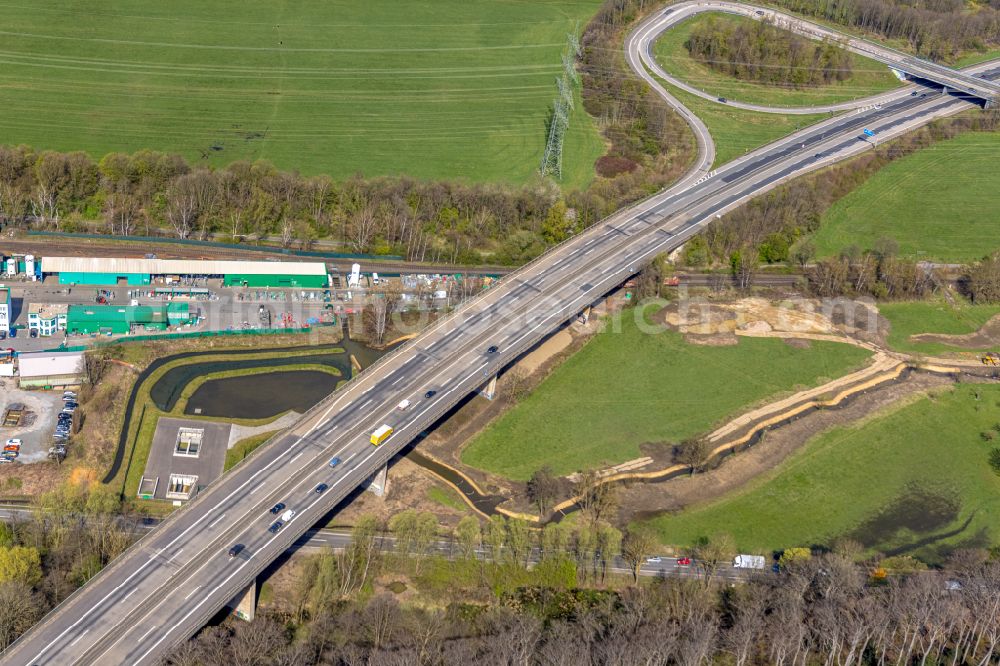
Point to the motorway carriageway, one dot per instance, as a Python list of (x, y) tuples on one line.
[(170, 583)]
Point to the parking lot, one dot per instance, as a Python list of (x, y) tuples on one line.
[(38, 421)]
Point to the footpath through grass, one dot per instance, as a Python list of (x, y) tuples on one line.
[(938, 316), (868, 77), (940, 203), (912, 481), (627, 388), (443, 89)]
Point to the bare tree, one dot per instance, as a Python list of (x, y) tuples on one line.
[(542, 488), (637, 545)]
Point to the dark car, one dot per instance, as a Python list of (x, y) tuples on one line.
[(321, 487), (723, 100), (914, 93), (13, 333), (277, 508), (34, 333), (273, 529), (492, 349), (236, 550), (430, 394)]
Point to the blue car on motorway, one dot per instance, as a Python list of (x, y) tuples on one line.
[(334, 462), (273, 529), (321, 487)]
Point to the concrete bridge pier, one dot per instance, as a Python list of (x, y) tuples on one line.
[(378, 483), (244, 604), (585, 315), (489, 390)]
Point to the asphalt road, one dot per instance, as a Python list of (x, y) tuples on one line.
[(172, 581), (671, 16)]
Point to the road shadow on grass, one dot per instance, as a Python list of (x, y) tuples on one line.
[(922, 519)]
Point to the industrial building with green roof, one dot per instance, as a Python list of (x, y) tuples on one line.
[(121, 319), (139, 272)]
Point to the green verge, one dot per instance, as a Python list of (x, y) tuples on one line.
[(446, 497), (938, 316), (952, 219), (245, 447), (737, 132), (629, 387), (913, 480), (445, 89), (868, 77)]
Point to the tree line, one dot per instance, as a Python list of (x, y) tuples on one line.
[(760, 52), (821, 608), (776, 228), (151, 192), (73, 533), (935, 29)]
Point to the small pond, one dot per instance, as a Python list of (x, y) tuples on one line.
[(270, 393), (263, 395)]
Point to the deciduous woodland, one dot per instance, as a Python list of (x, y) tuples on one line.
[(936, 29), (821, 610), (763, 53)]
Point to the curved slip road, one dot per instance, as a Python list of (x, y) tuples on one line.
[(171, 582), (643, 37)]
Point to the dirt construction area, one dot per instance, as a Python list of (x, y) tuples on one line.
[(36, 421)]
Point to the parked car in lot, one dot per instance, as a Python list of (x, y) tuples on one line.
[(277, 508), (273, 529), (13, 441)]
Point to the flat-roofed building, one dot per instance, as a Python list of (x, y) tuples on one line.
[(138, 272), (50, 369), (4, 310), (47, 318), (122, 319)]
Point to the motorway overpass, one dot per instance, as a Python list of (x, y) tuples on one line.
[(171, 582), (950, 79)]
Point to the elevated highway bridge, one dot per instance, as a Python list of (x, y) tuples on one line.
[(172, 581)]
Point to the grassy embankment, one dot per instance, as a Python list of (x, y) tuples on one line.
[(867, 78), (937, 316), (948, 219), (245, 447), (624, 389), (912, 480), (448, 89)]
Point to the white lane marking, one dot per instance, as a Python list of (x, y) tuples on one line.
[(374, 450), (296, 457), (256, 488), (188, 595), (216, 521), (85, 614), (151, 629), (77, 639)]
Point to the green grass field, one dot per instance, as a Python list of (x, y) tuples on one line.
[(868, 77), (736, 132), (951, 219), (624, 389), (912, 481), (442, 89), (913, 318)]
